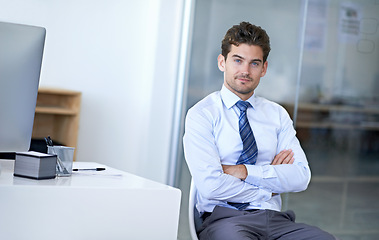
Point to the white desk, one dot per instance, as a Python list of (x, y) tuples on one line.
[(109, 204)]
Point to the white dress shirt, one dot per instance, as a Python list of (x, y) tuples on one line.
[(212, 138)]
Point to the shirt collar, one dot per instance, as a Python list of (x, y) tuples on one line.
[(230, 99)]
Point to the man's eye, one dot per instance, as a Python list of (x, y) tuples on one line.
[(237, 60)]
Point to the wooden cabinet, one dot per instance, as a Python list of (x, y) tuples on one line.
[(57, 115)]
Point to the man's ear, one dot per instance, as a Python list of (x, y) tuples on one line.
[(221, 62), (264, 69)]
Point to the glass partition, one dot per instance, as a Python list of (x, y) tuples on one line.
[(338, 118)]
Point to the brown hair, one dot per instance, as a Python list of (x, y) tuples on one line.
[(246, 33)]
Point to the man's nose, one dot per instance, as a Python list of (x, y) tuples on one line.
[(245, 69)]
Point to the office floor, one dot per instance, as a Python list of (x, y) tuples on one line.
[(342, 197)]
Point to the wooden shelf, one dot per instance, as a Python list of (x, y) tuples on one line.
[(57, 115), (55, 110)]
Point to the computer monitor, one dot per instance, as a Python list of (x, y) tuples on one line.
[(21, 51)]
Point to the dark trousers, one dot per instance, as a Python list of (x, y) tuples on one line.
[(227, 223)]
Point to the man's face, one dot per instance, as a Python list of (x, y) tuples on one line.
[(243, 69)]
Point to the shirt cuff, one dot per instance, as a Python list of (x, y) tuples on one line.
[(256, 173)]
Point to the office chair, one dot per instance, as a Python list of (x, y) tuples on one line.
[(194, 218)]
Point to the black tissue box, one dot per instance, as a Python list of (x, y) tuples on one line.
[(35, 165)]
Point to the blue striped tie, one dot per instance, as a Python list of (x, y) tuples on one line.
[(249, 152)]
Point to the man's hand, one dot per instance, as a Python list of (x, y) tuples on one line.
[(284, 157), (238, 171)]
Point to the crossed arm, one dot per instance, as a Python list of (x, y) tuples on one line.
[(240, 171)]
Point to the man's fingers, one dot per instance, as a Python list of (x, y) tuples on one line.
[(280, 157), (284, 157), (277, 158), (288, 158)]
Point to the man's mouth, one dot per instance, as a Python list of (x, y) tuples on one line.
[(244, 78)]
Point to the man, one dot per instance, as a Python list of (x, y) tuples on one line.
[(242, 150)]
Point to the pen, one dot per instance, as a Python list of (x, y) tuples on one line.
[(89, 169)]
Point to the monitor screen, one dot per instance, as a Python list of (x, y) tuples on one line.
[(21, 51)]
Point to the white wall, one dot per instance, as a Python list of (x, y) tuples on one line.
[(122, 55)]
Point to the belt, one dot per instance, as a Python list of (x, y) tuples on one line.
[(207, 214)]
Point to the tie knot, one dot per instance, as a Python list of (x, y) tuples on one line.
[(242, 105)]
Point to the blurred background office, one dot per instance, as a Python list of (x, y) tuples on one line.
[(141, 64), (324, 68)]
